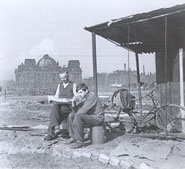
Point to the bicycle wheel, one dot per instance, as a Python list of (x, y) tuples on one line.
[(168, 118), (123, 121), (129, 121)]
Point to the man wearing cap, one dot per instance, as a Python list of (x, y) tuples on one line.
[(59, 112)]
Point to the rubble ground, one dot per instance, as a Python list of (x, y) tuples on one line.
[(26, 149)]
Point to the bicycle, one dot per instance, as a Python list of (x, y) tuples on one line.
[(165, 117)]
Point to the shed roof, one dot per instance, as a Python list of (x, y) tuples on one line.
[(145, 32)]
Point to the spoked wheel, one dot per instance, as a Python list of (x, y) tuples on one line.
[(129, 122), (168, 118), (123, 121)]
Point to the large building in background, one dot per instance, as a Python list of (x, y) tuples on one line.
[(43, 77)]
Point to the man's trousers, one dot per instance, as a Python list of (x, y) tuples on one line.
[(59, 112), (77, 123)]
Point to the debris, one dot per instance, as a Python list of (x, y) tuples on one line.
[(125, 164), (37, 134), (39, 146), (87, 155), (16, 127), (104, 158), (52, 142), (114, 161), (174, 136), (144, 166), (40, 127), (41, 118), (22, 127), (171, 151)]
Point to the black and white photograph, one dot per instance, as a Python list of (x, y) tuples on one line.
[(92, 84)]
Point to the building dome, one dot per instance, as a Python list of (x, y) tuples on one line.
[(46, 61)]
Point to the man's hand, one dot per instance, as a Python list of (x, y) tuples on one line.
[(76, 101), (76, 98)]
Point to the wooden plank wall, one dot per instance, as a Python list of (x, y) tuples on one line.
[(172, 84)]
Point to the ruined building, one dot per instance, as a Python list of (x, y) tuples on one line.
[(43, 77)]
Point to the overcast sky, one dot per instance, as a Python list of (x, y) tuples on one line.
[(32, 28)]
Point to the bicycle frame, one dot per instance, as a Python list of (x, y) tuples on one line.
[(157, 109), (139, 121), (154, 109)]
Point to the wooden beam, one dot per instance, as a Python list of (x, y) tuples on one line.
[(97, 131), (181, 88), (138, 83), (166, 67), (95, 79)]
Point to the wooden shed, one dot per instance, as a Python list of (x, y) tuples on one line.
[(161, 32)]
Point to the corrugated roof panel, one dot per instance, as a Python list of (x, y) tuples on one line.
[(146, 28)]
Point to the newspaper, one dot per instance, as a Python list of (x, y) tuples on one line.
[(58, 100)]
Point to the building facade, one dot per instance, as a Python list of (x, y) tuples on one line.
[(109, 82), (43, 77)]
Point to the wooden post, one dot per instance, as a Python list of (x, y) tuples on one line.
[(166, 61), (166, 68), (94, 64), (98, 132), (138, 83), (181, 88)]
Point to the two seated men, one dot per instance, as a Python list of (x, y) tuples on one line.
[(86, 110)]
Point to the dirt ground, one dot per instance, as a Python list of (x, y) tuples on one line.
[(26, 149)]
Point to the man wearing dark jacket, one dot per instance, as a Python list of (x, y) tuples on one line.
[(59, 112), (89, 112)]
